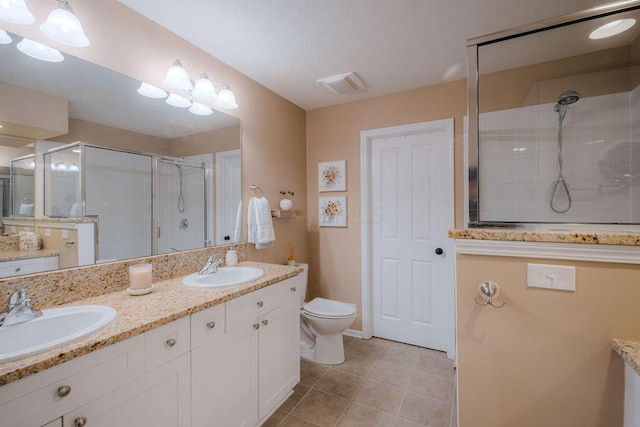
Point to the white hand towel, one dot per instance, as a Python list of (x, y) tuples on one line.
[(260, 225)]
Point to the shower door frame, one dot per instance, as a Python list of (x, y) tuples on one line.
[(155, 216)]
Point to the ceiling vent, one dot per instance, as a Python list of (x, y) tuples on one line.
[(342, 84)]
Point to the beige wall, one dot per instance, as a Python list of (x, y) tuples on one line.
[(106, 136), (333, 133), (224, 139), (273, 129), (545, 358)]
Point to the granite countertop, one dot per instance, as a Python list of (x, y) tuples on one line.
[(586, 237), (66, 219), (169, 301), (629, 351), (16, 255)]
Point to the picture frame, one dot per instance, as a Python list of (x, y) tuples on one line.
[(332, 211), (332, 176)]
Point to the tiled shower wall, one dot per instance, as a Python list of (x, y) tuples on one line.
[(518, 161)]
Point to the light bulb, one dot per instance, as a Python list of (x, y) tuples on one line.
[(177, 77), (63, 26), (16, 12), (39, 51)]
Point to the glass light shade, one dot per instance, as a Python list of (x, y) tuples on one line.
[(32, 165), (612, 28), (16, 12), (200, 110), (203, 89), (64, 27), (177, 77), (226, 99), (178, 101), (5, 38), (74, 168), (150, 91), (61, 166), (39, 51)]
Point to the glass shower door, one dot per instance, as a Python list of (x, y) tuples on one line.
[(181, 205)]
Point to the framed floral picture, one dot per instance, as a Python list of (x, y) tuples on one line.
[(332, 176), (332, 211)]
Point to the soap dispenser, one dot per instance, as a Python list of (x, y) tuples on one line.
[(231, 259)]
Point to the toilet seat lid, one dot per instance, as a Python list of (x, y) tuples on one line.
[(329, 308)]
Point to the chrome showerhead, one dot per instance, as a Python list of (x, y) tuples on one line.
[(568, 97)]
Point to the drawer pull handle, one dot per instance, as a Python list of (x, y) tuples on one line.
[(18, 268), (260, 303), (265, 322), (80, 422), (211, 325), (293, 289), (171, 342), (64, 390), (256, 325)]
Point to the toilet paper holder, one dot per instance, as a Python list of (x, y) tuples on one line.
[(488, 292)]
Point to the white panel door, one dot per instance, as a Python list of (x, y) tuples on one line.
[(228, 196), (411, 257)]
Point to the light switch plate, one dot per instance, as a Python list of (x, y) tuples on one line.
[(558, 277), (47, 232), (65, 234)]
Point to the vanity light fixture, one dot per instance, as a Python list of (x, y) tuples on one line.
[(200, 109), (16, 12), (177, 77), (226, 99), (5, 38), (63, 26), (612, 28), (74, 168), (39, 51), (178, 101), (150, 91), (203, 89)]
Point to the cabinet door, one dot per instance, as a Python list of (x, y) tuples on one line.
[(160, 398), (224, 380), (279, 355)]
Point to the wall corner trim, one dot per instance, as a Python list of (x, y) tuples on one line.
[(568, 251)]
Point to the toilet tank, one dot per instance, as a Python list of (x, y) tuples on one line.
[(303, 281)]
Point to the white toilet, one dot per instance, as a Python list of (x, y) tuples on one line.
[(322, 322)]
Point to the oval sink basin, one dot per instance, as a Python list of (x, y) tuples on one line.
[(225, 276), (56, 327)]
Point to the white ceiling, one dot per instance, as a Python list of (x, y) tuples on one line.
[(394, 45)]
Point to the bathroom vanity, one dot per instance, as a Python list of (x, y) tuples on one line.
[(175, 357)]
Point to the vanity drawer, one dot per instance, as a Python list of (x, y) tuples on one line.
[(247, 308), (41, 397), (207, 325), (167, 342)]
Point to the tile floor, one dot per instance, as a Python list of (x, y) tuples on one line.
[(381, 383)]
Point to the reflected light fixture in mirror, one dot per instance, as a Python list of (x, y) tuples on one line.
[(200, 109), (63, 26), (612, 28), (151, 91), (226, 99), (178, 101), (177, 77), (39, 51), (16, 12), (5, 38)]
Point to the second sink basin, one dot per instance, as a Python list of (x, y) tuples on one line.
[(56, 326), (225, 276)]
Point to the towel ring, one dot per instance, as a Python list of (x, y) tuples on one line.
[(254, 188)]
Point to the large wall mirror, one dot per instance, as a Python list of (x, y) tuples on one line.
[(98, 172), (554, 121)]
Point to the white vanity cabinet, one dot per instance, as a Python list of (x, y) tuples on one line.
[(28, 266), (242, 376), (631, 397)]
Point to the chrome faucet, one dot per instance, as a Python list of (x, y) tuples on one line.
[(211, 266), (19, 309)]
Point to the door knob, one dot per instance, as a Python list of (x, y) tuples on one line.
[(227, 237), (439, 251)]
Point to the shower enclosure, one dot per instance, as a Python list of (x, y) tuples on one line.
[(554, 124), (144, 204)]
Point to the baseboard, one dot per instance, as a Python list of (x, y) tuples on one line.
[(353, 333)]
